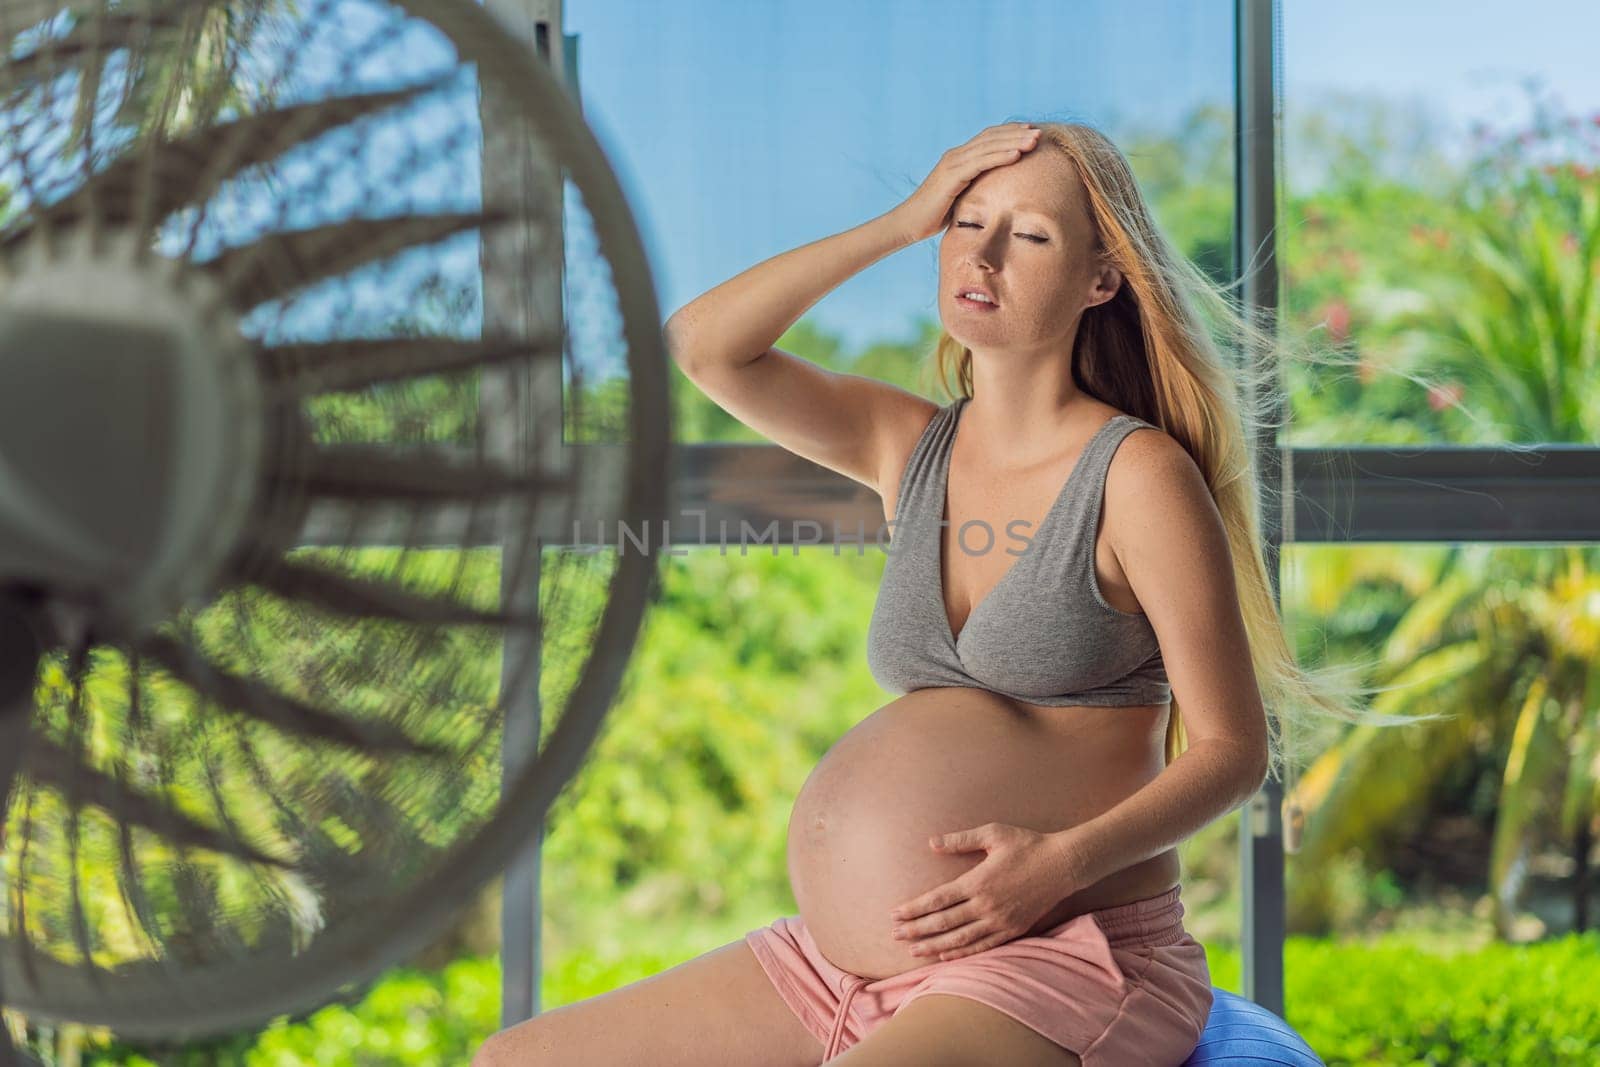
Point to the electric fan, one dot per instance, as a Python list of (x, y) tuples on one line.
[(295, 395)]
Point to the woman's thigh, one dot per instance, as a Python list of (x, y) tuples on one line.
[(719, 1008), (940, 1030)]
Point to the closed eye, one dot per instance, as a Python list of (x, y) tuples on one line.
[(1029, 236)]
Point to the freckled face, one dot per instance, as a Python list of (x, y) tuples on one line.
[(1021, 231)]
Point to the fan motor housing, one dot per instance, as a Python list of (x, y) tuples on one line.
[(126, 372)]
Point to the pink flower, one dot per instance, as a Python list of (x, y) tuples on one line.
[(1569, 243), (1443, 396), (1337, 315)]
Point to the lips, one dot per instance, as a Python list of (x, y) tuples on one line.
[(976, 289)]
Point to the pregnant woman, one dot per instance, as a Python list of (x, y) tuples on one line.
[(986, 867)]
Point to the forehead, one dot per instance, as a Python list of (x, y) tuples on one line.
[(1045, 192), (971, 199)]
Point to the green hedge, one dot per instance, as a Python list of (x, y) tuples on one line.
[(1500, 1004), (1354, 1003)]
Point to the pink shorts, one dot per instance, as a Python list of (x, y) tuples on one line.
[(1121, 985)]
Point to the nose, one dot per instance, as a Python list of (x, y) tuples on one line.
[(983, 250)]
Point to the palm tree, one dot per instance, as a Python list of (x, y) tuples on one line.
[(1509, 651)]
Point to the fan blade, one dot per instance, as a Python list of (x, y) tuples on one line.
[(187, 167), (334, 366), (385, 472), (365, 598), (280, 263), (47, 763), (245, 696), (103, 31)]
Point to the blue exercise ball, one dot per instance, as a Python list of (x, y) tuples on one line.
[(1240, 1031)]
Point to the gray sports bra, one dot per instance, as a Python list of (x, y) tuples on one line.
[(1043, 634)]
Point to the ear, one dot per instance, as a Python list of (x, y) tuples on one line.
[(1107, 282)]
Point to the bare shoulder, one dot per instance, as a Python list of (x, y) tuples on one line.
[(1152, 473), (1150, 459)]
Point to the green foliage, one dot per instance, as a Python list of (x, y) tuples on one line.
[(1396, 1004)]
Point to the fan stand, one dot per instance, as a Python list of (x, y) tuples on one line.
[(20, 648)]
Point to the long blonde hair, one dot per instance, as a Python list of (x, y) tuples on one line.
[(1156, 350)]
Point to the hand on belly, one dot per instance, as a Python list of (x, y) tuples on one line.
[(932, 762), (847, 877)]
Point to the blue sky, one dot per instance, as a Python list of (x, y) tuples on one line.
[(742, 129), (1464, 58)]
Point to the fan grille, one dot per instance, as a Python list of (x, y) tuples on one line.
[(294, 776)]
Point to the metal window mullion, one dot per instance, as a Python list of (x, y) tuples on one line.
[(517, 296), (1261, 865)]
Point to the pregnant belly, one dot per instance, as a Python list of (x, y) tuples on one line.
[(937, 760)]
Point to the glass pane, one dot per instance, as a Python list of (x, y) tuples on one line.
[(1456, 835), (1440, 220), (742, 131)]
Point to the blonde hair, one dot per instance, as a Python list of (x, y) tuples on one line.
[(1156, 350)]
